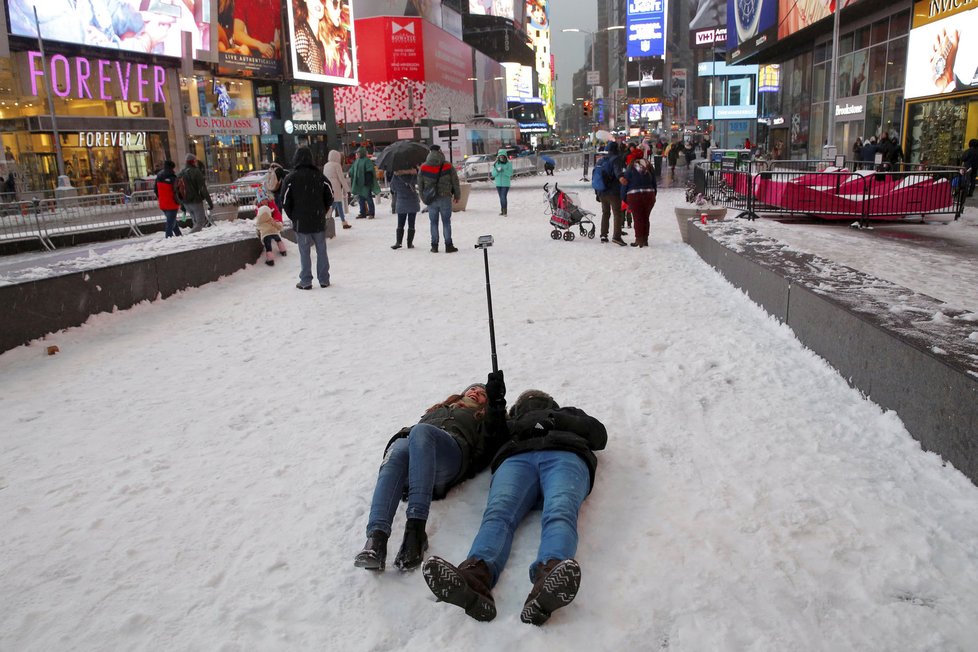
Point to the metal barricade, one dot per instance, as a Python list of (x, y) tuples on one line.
[(812, 188)]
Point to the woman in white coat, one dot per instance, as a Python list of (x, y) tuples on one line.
[(333, 171)]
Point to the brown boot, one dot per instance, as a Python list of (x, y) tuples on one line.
[(555, 586), (466, 586)]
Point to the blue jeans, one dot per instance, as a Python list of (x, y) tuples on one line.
[(502, 191), (306, 242), (428, 458), (366, 204), (557, 481), (338, 207), (172, 228), (443, 207), (406, 217)]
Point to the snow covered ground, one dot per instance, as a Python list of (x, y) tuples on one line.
[(195, 473)]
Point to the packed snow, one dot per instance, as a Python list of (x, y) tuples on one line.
[(195, 473)]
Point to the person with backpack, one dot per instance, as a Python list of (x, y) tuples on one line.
[(306, 197), (438, 186), (191, 190), (333, 171), (638, 191), (548, 463), (272, 183), (610, 171), (502, 174), (364, 183), (166, 197)]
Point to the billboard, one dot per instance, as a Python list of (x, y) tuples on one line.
[(750, 24), (796, 15), (519, 82), (644, 77), (323, 41), (249, 37), (148, 26), (940, 57), (651, 112), (645, 24), (502, 8)]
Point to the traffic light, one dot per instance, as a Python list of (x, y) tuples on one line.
[(360, 132), (587, 108)]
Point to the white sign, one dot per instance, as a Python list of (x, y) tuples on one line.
[(125, 139), (593, 77), (851, 109), (205, 126), (405, 134), (446, 112)]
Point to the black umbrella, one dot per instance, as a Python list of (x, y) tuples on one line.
[(402, 155)]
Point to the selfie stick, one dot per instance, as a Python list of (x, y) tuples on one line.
[(485, 241)]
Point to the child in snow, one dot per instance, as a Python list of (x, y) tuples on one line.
[(268, 231)]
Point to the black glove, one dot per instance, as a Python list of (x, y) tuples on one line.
[(210, 205), (544, 426), (496, 387)]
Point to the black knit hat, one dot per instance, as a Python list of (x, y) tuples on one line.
[(482, 385), (532, 399)]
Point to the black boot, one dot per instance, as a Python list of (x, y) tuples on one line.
[(556, 586), (400, 236), (410, 238), (434, 247), (450, 248), (413, 547), (374, 554), (466, 586)]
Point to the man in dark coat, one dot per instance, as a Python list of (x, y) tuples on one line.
[(611, 168), (549, 460), (868, 152), (196, 193), (970, 160), (306, 196)]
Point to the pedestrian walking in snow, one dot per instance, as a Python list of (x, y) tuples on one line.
[(193, 192), (306, 196), (364, 183), (548, 462), (453, 441), (404, 188), (333, 171), (502, 175), (438, 186), (639, 190), (165, 197)]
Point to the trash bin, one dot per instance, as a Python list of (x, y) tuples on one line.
[(463, 200)]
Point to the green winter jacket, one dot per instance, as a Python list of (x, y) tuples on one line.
[(502, 171), (358, 175), (196, 185)]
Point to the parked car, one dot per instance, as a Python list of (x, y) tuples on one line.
[(245, 188), (477, 166)]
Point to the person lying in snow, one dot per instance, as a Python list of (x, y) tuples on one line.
[(548, 462), (453, 441)]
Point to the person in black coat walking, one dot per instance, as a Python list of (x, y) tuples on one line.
[(453, 441), (549, 460), (306, 196), (970, 160)]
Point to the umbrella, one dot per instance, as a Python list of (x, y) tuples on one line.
[(402, 155), (606, 136)]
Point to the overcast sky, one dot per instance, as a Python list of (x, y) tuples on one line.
[(570, 49)]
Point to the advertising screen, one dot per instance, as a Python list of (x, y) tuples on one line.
[(799, 14), (645, 76), (651, 112), (501, 8), (941, 58), (149, 26), (645, 24), (250, 37), (750, 24), (519, 82), (324, 42), (707, 14)]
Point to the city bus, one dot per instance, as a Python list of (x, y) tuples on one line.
[(477, 136)]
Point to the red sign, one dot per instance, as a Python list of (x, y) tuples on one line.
[(449, 60), (392, 49)]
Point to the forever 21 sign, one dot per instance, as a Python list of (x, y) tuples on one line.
[(127, 139)]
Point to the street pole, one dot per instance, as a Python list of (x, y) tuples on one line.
[(451, 158), (830, 136), (49, 91)]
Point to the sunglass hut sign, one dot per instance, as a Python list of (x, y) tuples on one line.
[(99, 79)]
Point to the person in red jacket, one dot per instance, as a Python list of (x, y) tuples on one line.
[(163, 188)]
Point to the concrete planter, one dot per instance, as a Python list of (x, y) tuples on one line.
[(686, 213)]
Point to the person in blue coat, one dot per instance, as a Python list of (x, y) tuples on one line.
[(502, 174), (548, 165), (404, 187)]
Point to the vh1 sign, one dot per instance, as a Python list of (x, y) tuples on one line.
[(93, 79), (707, 38)]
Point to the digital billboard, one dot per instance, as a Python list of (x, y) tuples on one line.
[(324, 42), (799, 15), (519, 82), (940, 57), (651, 112), (250, 37), (644, 77), (502, 8), (645, 22), (148, 26), (750, 24)]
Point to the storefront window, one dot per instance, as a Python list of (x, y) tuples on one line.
[(877, 68), (820, 89), (900, 24), (893, 112), (845, 44), (879, 31), (896, 63), (860, 38), (845, 77), (937, 131), (874, 114)]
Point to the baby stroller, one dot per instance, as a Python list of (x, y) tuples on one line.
[(565, 213)]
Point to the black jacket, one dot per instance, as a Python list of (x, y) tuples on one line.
[(479, 439), (306, 195), (557, 429)]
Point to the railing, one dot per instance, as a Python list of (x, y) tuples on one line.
[(44, 218), (813, 188)]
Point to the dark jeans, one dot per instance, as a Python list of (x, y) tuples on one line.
[(406, 217), (503, 192), (611, 203), (269, 239), (172, 228), (366, 205)]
